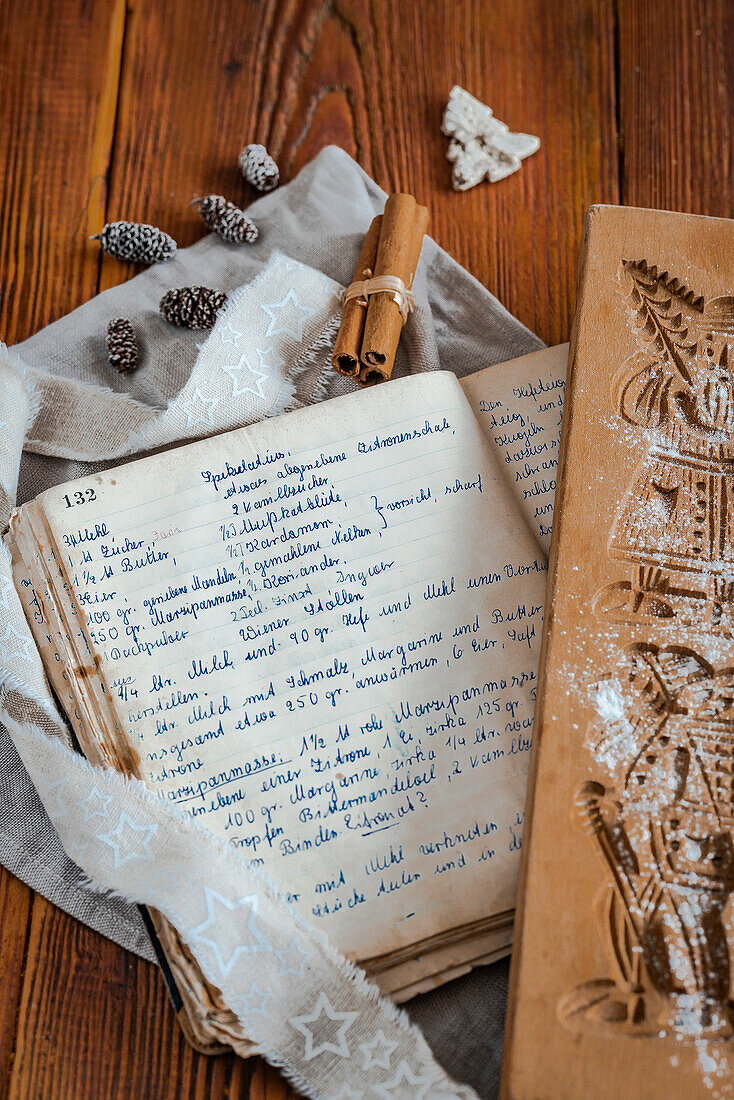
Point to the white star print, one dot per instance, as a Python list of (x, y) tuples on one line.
[(290, 265), (254, 1000), (95, 804), (404, 1076), (345, 1093), (199, 409), (287, 317), (229, 335), (227, 953), (25, 646), (51, 797), (269, 359), (329, 289), (136, 441), (293, 959), (321, 1046), (125, 847), (378, 1052), (257, 377)]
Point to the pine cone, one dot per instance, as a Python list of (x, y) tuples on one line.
[(226, 219), (192, 306), (259, 168), (122, 347), (136, 243)]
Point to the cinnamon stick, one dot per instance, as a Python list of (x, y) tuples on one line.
[(345, 357), (404, 224)]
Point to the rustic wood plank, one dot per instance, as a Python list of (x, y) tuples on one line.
[(188, 103), (58, 87), (96, 1021), (15, 909), (531, 222), (408, 64), (372, 76), (676, 105)]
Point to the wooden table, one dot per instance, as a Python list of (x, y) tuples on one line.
[(112, 110)]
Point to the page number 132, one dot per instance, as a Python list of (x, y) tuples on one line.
[(80, 497)]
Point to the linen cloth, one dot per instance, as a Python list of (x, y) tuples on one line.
[(319, 219), (331, 1031)]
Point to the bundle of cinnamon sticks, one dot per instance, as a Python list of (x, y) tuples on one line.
[(376, 305)]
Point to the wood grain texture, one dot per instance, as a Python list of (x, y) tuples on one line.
[(677, 114), (113, 110), (628, 585), (58, 87), (15, 916)]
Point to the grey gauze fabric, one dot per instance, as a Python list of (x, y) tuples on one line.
[(320, 219)]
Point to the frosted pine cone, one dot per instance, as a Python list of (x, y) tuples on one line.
[(259, 168), (122, 347), (192, 306), (226, 219), (136, 243)]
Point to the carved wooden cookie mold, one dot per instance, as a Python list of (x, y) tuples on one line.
[(674, 530), (663, 830), (662, 818)]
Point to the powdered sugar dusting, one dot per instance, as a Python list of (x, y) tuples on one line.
[(648, 670)]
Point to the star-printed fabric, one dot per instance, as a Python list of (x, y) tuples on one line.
[(304, 1006), (59, 400)]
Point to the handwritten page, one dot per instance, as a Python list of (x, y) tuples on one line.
[(520, 407), (322, 633)]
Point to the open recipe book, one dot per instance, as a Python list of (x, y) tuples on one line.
[(319, 635)]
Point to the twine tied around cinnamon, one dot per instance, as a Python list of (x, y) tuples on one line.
[(379, 298), (393, 285)]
